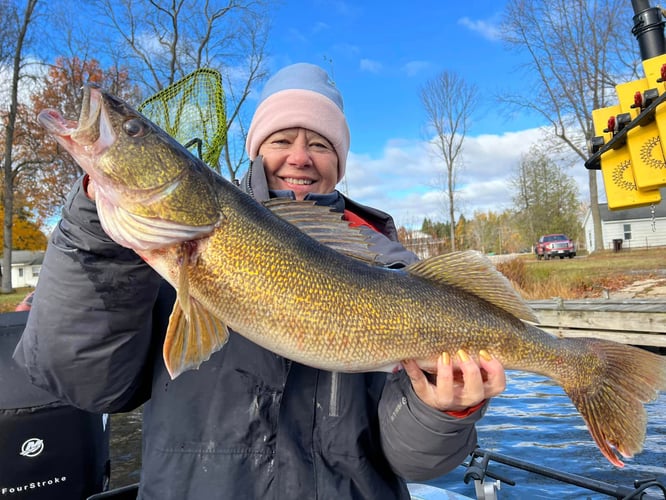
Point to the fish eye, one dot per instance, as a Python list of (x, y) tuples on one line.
[(135, 127)]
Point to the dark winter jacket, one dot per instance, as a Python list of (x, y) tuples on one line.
[(248, 423)]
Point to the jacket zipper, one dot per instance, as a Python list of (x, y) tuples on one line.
[(334, 395)]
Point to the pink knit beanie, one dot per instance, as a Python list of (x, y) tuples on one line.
[(301, 96)]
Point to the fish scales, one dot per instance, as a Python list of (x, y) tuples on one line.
[(237, 265), (346, 302)]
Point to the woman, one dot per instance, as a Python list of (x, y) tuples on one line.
[(248, 423)]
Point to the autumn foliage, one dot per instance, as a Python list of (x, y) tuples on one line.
[(52, 171), (26, 234)]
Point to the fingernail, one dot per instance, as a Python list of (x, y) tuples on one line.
[(446, 358), (485, 355), (463, 356)]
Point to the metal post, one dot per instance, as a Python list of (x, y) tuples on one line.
[(648, 29)]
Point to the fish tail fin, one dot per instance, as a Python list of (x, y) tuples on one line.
[(611, 399)]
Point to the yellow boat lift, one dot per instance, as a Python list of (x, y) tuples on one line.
[(627, 146)]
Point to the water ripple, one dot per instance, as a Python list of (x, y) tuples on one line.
[(535, 421)]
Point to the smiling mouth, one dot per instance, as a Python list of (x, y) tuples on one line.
[(300, 182)]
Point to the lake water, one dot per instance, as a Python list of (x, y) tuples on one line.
[(533, 421)]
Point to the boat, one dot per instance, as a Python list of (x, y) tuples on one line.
[(52, 450), (47, 449), (488, 483)]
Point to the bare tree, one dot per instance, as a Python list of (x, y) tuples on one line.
[(449, 102), (161, 42), (576, 49), (8, 27), (17, 30)]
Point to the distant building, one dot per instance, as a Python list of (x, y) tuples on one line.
[(422, 244), (26, 266), (635, 227)]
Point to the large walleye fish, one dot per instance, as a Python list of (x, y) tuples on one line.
[(240, 265)]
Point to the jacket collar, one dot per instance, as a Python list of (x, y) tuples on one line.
[(254, 183)]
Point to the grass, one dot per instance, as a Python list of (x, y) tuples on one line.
[(8, 301), (583, 276)]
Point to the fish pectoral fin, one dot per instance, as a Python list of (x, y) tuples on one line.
[(191, 338), (473, 272), (324, 225)]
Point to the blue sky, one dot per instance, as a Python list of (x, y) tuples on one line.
[(380, 54)]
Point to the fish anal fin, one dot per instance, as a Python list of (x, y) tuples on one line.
[(473, 272), (191, 338)]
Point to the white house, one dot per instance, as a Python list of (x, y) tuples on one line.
[(26, 266), (635, 227), (421, 244)]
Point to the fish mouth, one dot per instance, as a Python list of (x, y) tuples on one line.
[(86, 130), (85, 139), (131, 213), (55, 124)]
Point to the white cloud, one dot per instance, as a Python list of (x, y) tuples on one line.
[(319, 27), (401, 180), (27, 86), (370, 65), (5, 84), (414, 68), (486, 29)]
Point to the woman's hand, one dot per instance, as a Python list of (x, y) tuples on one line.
[(459, 383)]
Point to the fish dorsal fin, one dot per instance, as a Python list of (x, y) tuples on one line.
[(325, 226), (193, 333), (473, 272)]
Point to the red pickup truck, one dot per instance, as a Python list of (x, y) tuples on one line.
[(555, 245)]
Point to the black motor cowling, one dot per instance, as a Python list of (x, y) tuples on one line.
[(47, 449)]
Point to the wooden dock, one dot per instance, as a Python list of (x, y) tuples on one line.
[(639, 322)]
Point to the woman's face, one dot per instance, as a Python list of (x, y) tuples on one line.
[(301, 161)]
